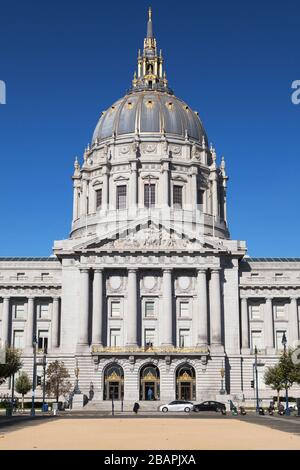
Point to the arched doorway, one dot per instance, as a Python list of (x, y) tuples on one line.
[(149, 383), (113, 382), (185, 383)]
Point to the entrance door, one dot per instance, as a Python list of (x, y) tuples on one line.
[(149, 391), (114, 390), (185, 391)]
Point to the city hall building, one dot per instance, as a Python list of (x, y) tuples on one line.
[(149, 295)]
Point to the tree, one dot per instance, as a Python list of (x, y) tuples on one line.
[(23, 385), (56, 379), (274, 378), (13, 364)]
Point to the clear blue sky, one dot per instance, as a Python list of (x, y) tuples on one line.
[(65, 61)]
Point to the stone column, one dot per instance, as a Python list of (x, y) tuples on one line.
[(133, 186), (215, 309), (166, 190), (30, 323), (194, 195), (132, 308), (5, 321), (245, 325), (269, 337), (215, 197), (83, 324), (166, 314), (75, 202), (202, 305), (97, 306), (293, 333), (55, 323), (105, 198), (83, 198)]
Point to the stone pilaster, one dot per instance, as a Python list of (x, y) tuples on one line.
[(293, 328), (215, 310), (5, 321), (166, 314), (132, 308), (84, 308), (30, 324), (97, 307), (268, 326), (55, 323), (245, 325), (202, 305)]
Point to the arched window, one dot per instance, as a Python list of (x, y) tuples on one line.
[(185, 382), (149, 382)]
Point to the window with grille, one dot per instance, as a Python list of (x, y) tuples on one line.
[(149, 195), (257, 339), (19, 310), (115, 309), (255, 312), (115, 337), (98, 198), (121, 197), (149, 309), (18, 340), (177, 197), (43, 310), (184, 309), (149, 336), (184, 338), (279, 311), (43, 339)]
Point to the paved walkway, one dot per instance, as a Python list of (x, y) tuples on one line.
[(151, 433)]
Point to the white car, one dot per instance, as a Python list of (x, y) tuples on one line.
[(177, 405)]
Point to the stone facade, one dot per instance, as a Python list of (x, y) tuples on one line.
[(149, 293)]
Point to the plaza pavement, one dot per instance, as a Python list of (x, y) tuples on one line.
[(151, 432)]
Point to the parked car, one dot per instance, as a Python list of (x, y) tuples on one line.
[(210, 406), (177, 405)]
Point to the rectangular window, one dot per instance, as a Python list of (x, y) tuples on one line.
[(149, 195), (177, 197), (98, 199), (279, 335), (43, 339), (20, 276), (200, 197), (19, 309), (279, 311), (121, 197), (115, 338), (257, 340), (18, 339), (149, 309), (184, 338), (43, 310), (45, 276), (115, 309), (255, 312), (184, 309), (149, 337)]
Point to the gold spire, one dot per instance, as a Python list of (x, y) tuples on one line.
[(150, 14)]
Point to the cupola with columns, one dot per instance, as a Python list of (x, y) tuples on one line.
[(149, 151)]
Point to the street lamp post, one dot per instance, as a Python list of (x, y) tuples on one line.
[(256, 380), (44, 377), (76, 371), (222, 372), (287, 410), (34, 343)]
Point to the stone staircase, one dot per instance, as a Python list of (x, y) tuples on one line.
[(97, 405)]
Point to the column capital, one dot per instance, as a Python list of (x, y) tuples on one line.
[(84, 270), (132, 270), (268, 299), (6, 297), (30, 298), (293, 299), (215, 270), (167, 270), (98, 270), (201, 270), (55, 299)]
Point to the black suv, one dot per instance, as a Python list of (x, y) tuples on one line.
[(210, 406)]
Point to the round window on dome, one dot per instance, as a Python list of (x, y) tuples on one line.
[(129, 105), (170, 105), (149, 104)]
